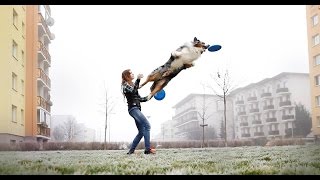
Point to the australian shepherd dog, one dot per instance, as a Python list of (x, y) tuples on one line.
[(180, 59)]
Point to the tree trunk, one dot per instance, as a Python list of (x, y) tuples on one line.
[(225, 120)]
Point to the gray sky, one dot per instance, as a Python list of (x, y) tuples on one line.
[(94, 44)]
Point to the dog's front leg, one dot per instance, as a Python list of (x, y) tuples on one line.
[(167, 73), (176, 54)]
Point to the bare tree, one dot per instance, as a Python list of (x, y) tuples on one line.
[(109, 107), (203, 115), (71, 129), (222, 90), (59, 133)]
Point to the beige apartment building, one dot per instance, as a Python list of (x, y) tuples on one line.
[(24, 66), (313, 32)]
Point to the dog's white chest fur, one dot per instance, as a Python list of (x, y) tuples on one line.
[(187, 55)]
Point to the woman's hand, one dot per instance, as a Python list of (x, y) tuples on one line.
[(140, 76)]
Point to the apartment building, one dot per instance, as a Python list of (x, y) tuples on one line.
[(25, 93), (12, 73), (267, 108), (201, 110), (313, 33)]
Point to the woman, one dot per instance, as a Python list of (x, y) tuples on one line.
[(130, 91)]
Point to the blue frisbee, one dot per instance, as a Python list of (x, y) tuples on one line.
[(214, 48), (160, 95)]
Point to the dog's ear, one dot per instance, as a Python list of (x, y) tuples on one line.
[(195, 39)]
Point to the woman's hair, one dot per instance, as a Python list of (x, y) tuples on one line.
[(126, 77)]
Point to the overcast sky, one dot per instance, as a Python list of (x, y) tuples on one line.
[(94, 44)]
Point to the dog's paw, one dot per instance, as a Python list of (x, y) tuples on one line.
[(188, 65)]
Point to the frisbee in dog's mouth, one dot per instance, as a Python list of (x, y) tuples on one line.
[(214, 48)]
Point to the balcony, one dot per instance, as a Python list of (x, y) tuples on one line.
[(43, 130), (271, 120), (252, 99), (41, 102), (44, 53), (282, 90), (268, 107), (258, 133), (48, 9), (253, 110), (241, 113), (44, 29), (44, 77), (263, 95), (276, 132), (285, 103), (244, 124), (256, 122), (184, 111), (239, 102), (194, 123), (287, 117), (245, 135)]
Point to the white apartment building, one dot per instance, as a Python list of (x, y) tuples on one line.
[(196, 110), (267, 108)]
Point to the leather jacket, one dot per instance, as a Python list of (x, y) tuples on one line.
[(132, 94)]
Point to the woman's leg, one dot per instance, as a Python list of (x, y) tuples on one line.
[(143, 126)]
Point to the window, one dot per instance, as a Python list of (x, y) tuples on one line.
[(14, 49), (14, 113), (22, 117), (273, 127), (318, 121), (316, 40), (316, 80), (317, 59), (14, 81), (15, 18), (22, 58), (314, 20), (23, 29), (317, 100), (22, 87)]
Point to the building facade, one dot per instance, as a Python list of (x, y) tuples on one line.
[(25, 63), (198, 112), (267, 108), (313, 33), (12, 73)]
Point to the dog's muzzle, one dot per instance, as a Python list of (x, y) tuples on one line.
[(205, 48)]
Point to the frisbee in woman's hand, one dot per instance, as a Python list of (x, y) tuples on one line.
[(160, 95), (214, 48)]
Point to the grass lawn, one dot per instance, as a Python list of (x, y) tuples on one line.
[(303, 159)]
